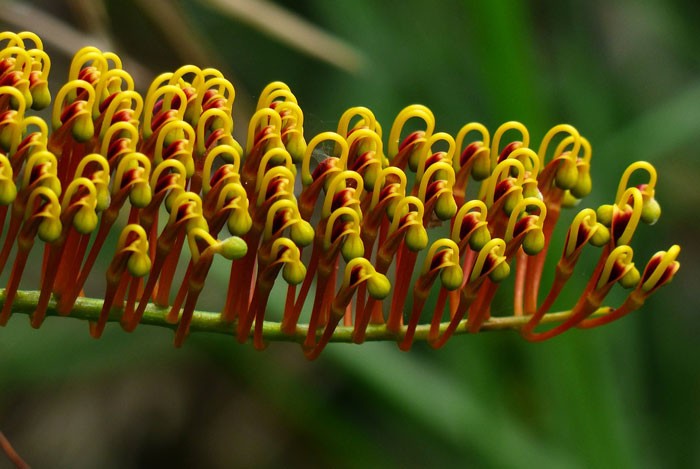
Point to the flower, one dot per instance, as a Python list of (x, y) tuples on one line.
[(371, 230)]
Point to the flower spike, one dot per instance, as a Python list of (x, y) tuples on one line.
[(171, 154)]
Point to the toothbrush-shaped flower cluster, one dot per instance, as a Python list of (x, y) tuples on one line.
[(362, 237)]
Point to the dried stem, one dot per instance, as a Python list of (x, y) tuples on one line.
[(11, 453)]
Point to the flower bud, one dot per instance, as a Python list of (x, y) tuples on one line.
[(583, 185), (173, 135), (352, 247), (197, 222), (531, 190), (601, 236), (604, 214), (651, 211), (236, 146), (103, 199), (302, 233), (7, 136), (569, 201), (500, 272), (479, 238), (139, 264), (140, 195), (391, 207), (49, 230), (83, 128), (566, 175), (481, 169), (631, 278), (445, 207), (533, 242), (294, 272), (295, 145), (511, 200), (41, 96), (15, 103), (28, 99), (378, 286), (233, 248), (188, 162), (451, 277), (416, 238), (370, 176), (239, 223), (85, 220), (413, 160), (8, 191)]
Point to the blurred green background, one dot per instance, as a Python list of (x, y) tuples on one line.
[(625, 73)]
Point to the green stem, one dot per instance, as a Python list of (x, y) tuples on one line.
[(202, 321)]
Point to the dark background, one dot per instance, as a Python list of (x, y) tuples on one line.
[(625, 73)]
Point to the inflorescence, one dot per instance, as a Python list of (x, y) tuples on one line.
[(374, 228)]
